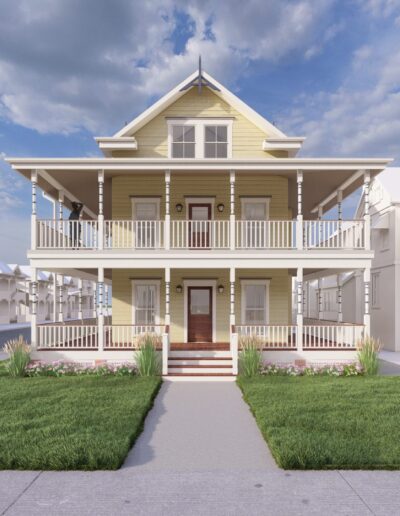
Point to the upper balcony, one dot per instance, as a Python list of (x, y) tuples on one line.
[(207, 235)]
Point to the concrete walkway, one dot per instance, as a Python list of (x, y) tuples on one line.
[(191, 418), (200, 454)]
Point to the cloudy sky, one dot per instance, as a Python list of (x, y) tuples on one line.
[(72, 69)]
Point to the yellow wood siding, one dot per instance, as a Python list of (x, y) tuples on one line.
[(279, 301), (153, 137), (207, 185)]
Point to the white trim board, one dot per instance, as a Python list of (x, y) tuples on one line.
[(200, 283)]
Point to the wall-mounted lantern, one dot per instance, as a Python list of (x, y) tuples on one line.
[(179, 289), (179, 207), (220, 207), (220, 289)]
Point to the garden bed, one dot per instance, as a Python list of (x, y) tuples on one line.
[(328, 423), (86, 422)]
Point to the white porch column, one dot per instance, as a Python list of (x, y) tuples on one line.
[(299, 316), (367, 216), (232, 217), (34, 177), (106, 300), (100, 315), (340, 216), (80, 288), (339, 298), (33, 303), (167, 221), (100, 218), (299, 225), (367, 315), (167, 298), (61, 205), (55, 280), (94, 300), (232, 317), (320, 307), (60, 298)]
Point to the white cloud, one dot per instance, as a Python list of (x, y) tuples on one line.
[(380, 8), (14, 237), (69, 65), (362, 116)]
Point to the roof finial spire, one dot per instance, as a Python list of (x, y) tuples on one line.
[(199, 81)]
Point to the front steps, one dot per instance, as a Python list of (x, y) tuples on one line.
[(200, 364)]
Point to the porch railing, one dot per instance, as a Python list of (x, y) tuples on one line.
[(334, 234), (271, 335), (200, 234), (125, 336), (314, 337), (74, 336), (332, 336), (67, 234), (265, 234)]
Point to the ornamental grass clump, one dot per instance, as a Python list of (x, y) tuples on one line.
[(250, 359), (368, 349), (19, 356), (148, 361)]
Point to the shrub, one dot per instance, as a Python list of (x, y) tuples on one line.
[(18, 351), (250, 359), (368, 349), (148, 361)]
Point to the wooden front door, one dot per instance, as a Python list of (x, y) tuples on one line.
[(199, 225), (199, 314)]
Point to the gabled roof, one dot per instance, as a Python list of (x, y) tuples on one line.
[(5, 269), (181, 89), (390, 180)]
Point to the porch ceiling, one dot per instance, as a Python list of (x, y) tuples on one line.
[(79, 177)]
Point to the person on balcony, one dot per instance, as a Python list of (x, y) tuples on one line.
[(74, 225)]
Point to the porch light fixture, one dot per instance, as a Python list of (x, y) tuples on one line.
[(220, 289), (220, 207), (179, 289), (178, 207)]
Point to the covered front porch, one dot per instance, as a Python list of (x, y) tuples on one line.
[(197, 314)]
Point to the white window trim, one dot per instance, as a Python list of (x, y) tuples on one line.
[(254, 200), (157, 283), (200, 200), (199, 283), (243, 284), (143, 200), (199, 134)]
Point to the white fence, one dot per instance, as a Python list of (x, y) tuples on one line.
[(200, 234), (67, 234), (334, 234), (265, 234), (60, 336), (134, 234), (126, 336)]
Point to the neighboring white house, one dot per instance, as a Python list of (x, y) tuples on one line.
[(68, 299), (322, 296)]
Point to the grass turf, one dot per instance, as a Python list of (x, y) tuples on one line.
[(71, 423), (328, 423)]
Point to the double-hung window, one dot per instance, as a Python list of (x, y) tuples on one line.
[(183, 141), (146, 302), (254, 302), (216, 141)]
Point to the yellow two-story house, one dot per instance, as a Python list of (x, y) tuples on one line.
[(199, 215)]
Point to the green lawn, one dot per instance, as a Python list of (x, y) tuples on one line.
[(72, 422), (328, 423)]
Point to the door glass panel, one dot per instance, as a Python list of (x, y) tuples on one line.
[(145, 304), (200, 302), (199, 212), (255, 304)]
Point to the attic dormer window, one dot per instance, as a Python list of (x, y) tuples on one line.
[(183, 141)]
